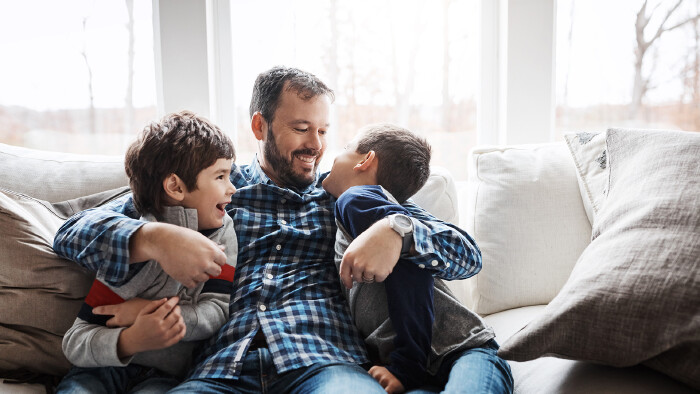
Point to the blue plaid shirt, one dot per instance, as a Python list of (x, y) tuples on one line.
[(286, 283)]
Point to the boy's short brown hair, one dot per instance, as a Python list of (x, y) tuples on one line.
[(404, 158), (181, 143)]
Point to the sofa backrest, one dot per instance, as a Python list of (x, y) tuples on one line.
[(56, 176), (525, 211)]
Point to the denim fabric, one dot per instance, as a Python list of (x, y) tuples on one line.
[(130, 379), (258, 375), (477, 370)]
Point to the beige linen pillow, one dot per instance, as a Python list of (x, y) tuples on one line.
[(40, 293), (634, 294)]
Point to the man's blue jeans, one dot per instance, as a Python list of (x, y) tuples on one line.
[(259, 376), (130, 379), (478, 370)]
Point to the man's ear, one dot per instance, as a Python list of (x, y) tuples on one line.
[(257, 124), (174, 187), (367, 162)]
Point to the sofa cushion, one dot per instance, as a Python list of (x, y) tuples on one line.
[(57, 176), (588, 151), (40, 293), (634, 295), (439, 195), (524, 209), (556, 375)]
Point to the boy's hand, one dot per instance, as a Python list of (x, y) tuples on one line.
[(186, 255), (157, 326), (124, 313), (372, 255), (386, 379)]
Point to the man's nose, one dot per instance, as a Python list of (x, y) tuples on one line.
[(314, 140)]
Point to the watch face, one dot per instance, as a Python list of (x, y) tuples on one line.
[(403, 221), (402, 224)]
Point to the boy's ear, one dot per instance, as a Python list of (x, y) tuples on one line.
[(256, 124), (369, 161), (174, 187)]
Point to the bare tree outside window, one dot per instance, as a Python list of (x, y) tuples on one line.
[(627, 64), (645, 44), (410, 62), (76, 76)]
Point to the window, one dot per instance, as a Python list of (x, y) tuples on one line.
[(413, 63), (606, 77), (76, 76)]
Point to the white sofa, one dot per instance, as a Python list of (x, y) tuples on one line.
[(522, 205)]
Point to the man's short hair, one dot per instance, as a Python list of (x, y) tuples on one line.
[(267, 89), (180, 143), (404, 158)]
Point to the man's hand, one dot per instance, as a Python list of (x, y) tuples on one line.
[(372, 255), (157, 326), (387, 379), (124, 313), (186, 255)]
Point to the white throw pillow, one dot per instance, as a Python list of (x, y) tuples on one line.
[(525, 212), (590, 156), (439, 195)]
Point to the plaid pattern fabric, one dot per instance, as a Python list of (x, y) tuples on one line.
[(286, 283)]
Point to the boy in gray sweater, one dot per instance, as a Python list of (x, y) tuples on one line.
[(178, 172), (416, 331)]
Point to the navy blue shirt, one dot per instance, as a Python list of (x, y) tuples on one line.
[(409, 289)]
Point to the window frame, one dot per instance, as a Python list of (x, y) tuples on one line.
[(517, 55)]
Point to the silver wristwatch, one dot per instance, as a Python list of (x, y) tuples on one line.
[(403, 226)]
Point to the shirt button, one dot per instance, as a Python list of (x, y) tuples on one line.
[(434, 263), (447, 265), (278, 247), (262, 307), (283, 221), (421, 265), (283, 200), (269, 276)]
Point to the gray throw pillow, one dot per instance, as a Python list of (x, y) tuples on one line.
[(634, 294), (40, 293)]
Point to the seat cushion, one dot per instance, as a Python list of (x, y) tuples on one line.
[(554, 375)]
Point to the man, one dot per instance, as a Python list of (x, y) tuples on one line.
[(290, 327)]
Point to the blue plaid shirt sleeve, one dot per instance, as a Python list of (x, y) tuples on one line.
[(98, 239), (442, 247)]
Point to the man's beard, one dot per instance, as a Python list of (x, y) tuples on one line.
[(283, 168)]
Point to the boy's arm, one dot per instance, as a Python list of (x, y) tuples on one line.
[(109, 238), (361, 206), (210, 312), (443, 248), (98, 239), (92, 345)]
